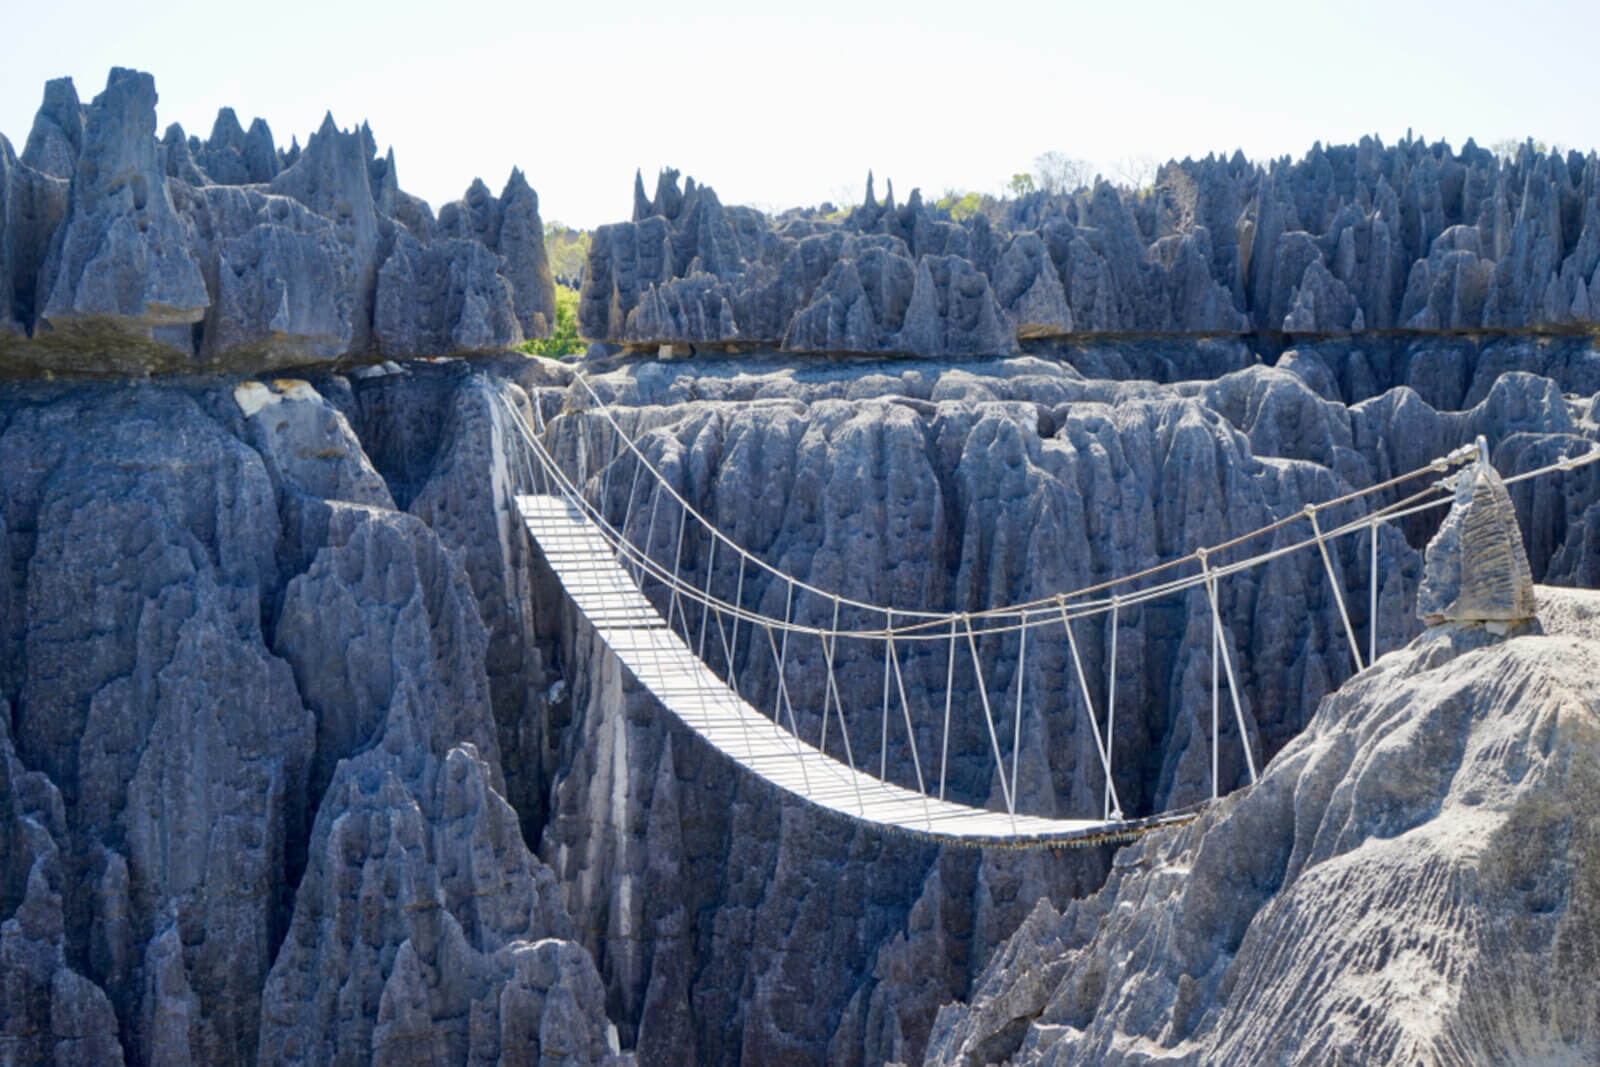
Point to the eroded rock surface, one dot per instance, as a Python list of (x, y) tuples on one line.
[(1348, 238), (1412, 879), (331, 602), (123, 254)]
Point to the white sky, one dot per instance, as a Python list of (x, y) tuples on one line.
[(784, 109)]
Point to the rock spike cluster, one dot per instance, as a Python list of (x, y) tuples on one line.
[(1351, 238), (122, 253)]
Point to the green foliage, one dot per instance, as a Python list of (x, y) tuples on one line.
[(1020, 184), (961, 207), (564, 339), (567, 250)]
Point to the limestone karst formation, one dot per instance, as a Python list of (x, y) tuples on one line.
[(1351, 238), (122, 253), (304, 757)]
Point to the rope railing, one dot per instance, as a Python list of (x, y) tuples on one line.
[(585, 478), (1042, 611)]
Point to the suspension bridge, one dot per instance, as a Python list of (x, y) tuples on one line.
[(605, 548)]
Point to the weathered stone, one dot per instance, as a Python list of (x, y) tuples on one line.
[(56, 138), (445, 297), (1477, 569), (1431, 803), (120, 254), (122, 267)]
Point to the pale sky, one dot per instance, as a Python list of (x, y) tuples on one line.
[(784, 109)]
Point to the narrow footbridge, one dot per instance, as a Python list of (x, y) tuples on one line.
[(611, 548)]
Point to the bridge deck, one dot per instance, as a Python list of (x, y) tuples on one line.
[(630, 625)]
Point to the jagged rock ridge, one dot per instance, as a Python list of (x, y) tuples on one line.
[(120, 253), (1412, 237)]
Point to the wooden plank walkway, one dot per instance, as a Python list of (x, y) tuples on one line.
[(632, 628)]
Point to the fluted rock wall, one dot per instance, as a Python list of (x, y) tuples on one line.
[(288, 639), (252, 791), (1411, 881), (1017, 477), (1411, 237), (120, 253)]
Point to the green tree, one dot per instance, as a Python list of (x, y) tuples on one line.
[(567, 250), (564, 339), (962, 206), (1020, 184)]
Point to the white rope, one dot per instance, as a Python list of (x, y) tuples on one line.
[(705, 610), (1016, 724), (1111, 716), (949, 690), (1458, 456), (738, 597), (883, 729), (1233, 683), (1372, 610), (788, 607), (1333, 582), (1216, 692), (1088, 708), (783, 695), (919, 630), (677, 565), (988, 717), (905, 708), (838, 704)]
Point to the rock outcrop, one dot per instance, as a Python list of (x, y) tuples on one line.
[(329, 601), (1414, 237), (1476, 569), (123, 254), (1411, 880), (789, 462), (179, 864)]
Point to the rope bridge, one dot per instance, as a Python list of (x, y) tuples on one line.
[(569, 488)]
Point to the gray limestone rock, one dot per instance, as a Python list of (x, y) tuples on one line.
[(331, 178), (1322, 304), (1026, 286), (448, 296), (1351, 237), (56, 138), (1386, 892), (151, 541), (121, 267), (1477, 569), (952, 312), (282, 297), (422, 917), (120, 254), (527, 269), (231, 156)]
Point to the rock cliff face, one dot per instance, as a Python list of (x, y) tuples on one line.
[(303, 757), (122, 254), (348, 691), (792, 460), (252, 798), (1351, 238), (1412, 880)]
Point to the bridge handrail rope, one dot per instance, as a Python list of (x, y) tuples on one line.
[(535, 463), (938, 619), (929, 625)]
